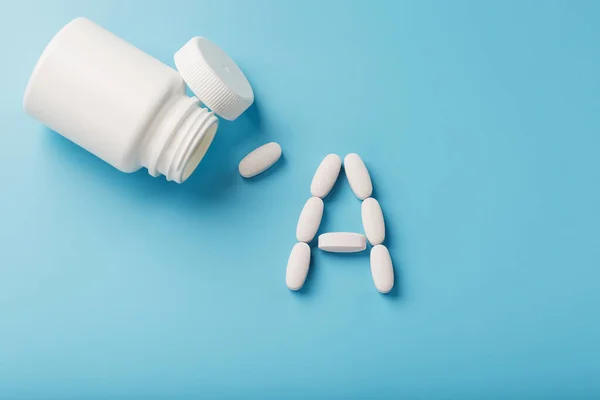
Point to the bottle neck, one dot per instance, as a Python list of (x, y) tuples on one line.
[(183, 133)]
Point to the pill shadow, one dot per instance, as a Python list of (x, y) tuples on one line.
[(374, 179), (396, 294), (393, 242), (312, 278), (324, 225)]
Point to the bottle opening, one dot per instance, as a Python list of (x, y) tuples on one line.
[(199, 152)]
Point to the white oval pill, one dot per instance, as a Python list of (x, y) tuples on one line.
[(382, 269), (358, 176), (372, 219), (326, 175), (342, 242), (297, 266), (310, 219), (260, 160)]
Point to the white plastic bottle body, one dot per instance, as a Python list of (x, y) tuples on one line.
[(118, 102)]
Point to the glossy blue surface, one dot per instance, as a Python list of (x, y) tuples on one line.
[(479, 122)]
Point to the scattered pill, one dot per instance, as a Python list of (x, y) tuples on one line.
[(260, 160), (326, 175), (342, 242), (310, 219), (358, 176), (372, 219), (382, 269), (297, 266)]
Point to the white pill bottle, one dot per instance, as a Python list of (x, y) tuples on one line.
[(127, 107)]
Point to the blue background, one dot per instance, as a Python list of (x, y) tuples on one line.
[(479, 121)]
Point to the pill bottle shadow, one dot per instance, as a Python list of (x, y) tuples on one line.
[(65, 155), (211, 182), (217, 173)]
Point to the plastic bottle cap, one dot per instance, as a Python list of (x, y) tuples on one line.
[(214, 78)]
